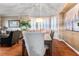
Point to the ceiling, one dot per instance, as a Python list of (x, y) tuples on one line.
[(30, 9)]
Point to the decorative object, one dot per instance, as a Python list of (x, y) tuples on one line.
[(38, 22), (25, 24)]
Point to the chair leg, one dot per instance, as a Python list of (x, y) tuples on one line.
[(24, 50)]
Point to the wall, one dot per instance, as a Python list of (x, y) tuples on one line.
[(61, 25), (4, 21), (0, 21), (71, 37)]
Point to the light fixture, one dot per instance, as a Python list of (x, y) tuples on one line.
[(39, 20)]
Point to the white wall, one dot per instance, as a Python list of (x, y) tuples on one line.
[(5, 22), (0, 21), (72, 37)]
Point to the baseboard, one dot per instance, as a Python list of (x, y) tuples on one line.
[(71, 47)]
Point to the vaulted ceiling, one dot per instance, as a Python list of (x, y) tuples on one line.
[(30, 9)]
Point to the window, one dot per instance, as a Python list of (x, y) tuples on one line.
[(54, 23), (47, 23)]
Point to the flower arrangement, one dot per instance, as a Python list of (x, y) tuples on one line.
[(25, 24)]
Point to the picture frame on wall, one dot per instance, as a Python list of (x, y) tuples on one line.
[(13, 23)]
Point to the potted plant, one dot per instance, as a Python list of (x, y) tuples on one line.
[(25, 25)]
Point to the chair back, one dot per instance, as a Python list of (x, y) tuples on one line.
[(16, 36), (52, 35), (9, 39), (34, 42), (0, 32)]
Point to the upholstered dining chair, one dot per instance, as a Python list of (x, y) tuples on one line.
[(16, 36), (13, 38), (34, 42), (52, 34), (8, 40)]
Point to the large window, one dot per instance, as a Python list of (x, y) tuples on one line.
[(46, 23), (54, 23)]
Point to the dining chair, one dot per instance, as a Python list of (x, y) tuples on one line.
[(34, 42), (8, 40), (52, 34), (52, 44), (16, 36), (13, 38), (0, 31)]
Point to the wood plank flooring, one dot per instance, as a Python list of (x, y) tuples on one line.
[(15, 50), (59, 48)]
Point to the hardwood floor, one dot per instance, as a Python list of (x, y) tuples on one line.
[(59, 48), (15, 50)]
